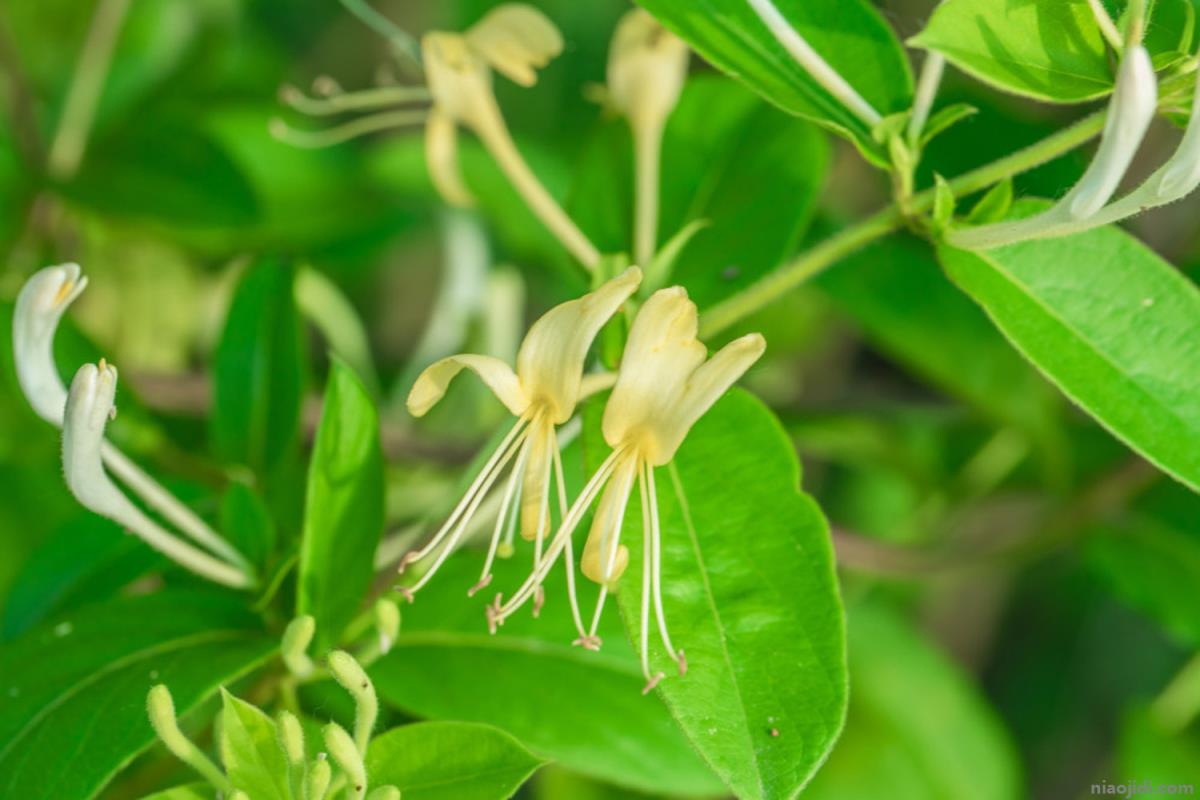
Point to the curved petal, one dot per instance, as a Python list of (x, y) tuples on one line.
[(459, 80), (40, 306), (89, 406), (516, 39), (660, 356), (705, 387), (647, 66), (551, 359), (432, 383), (597, 549), (441, 159)]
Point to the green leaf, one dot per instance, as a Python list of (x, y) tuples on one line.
[(994, 205), (895, 291), (167, 171), (343, 511), (247, 523), (949, 745), (450, 761), (75, 688), (1115, 327), (849, 35), (259, 370), (1150, 558), (251, 752), (747, 609), (584, 710), (85, 560), (192, 791), (752, 172), (1149, 754), (1046, 49), (944, 119)]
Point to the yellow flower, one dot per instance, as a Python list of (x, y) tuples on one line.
[(542, 394), (665, 384), (515, 39)]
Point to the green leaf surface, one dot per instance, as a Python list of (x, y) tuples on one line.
[(85, 560), (948, 746), (751, 172), (247, 523), (450, 761), (750, 595), (584, 710), (897, 293), (1115, 327), (192, 791), (343, 512), (251, 752), (75, 688), (166, 171), (1046, 49), (259, 370), (1147, 754), (850, 35)]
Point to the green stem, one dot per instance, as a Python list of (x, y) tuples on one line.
[(83, 96), (824, 255)]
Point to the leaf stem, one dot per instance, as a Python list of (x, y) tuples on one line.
[(824, 255), (83, 96)]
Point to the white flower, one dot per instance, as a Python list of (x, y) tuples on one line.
[(542, 393), (665, 384)]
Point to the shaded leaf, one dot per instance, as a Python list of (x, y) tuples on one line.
[(251, 752)]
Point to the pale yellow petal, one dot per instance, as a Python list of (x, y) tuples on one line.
[(598, 547), (704, 387), (459, 80), (536, 480), (441, 159), (647, 66), (431, 384), (660, 356), (516, 39), (552, 356)]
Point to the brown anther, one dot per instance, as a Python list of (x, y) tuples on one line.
[(404, 592), (682, 661), (539, 599), (408, 558), (649, 687), (483, 583), (775, 732)]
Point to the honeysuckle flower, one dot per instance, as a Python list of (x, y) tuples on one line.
[(647, 65), (664, 385), (541, 393), (39, 309), (88, 408), (1130, 111), (515, 39)]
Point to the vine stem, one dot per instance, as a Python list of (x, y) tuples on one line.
[(824, 255), (83, 96)]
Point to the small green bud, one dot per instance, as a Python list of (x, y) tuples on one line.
[(350, 674), (160, 707), (384, 793), (345, 753), (320, 775), (387, 622), (296, 638)]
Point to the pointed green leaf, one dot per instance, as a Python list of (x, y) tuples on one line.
[(850, 35), (1108, 321), (343, 512), (250, 751), (450, 761), (750, 595)]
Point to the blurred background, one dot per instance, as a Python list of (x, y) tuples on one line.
[(986, 538)]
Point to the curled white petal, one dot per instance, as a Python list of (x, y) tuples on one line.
[(40, 306)]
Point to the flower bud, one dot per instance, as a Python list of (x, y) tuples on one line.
[(350, 674), (296, 639), (39, 308), (345, 753), (387, 623), (647, 66)]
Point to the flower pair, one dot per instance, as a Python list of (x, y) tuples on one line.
[(83, 413), (665, 383)]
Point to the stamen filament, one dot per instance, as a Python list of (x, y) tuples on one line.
[(343, 133), (647, 560), (656, 580), (499, 612), (568, 548), (614, 536), (648, 150), (504, 515), (482, 483), (362, 100), (465, 520)]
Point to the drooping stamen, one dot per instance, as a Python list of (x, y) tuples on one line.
[(452, 541), (507, 506), (362, 100), (482, 483), (647, 557), (568, 548), (329, 137), (498, 611), (656, 580)]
